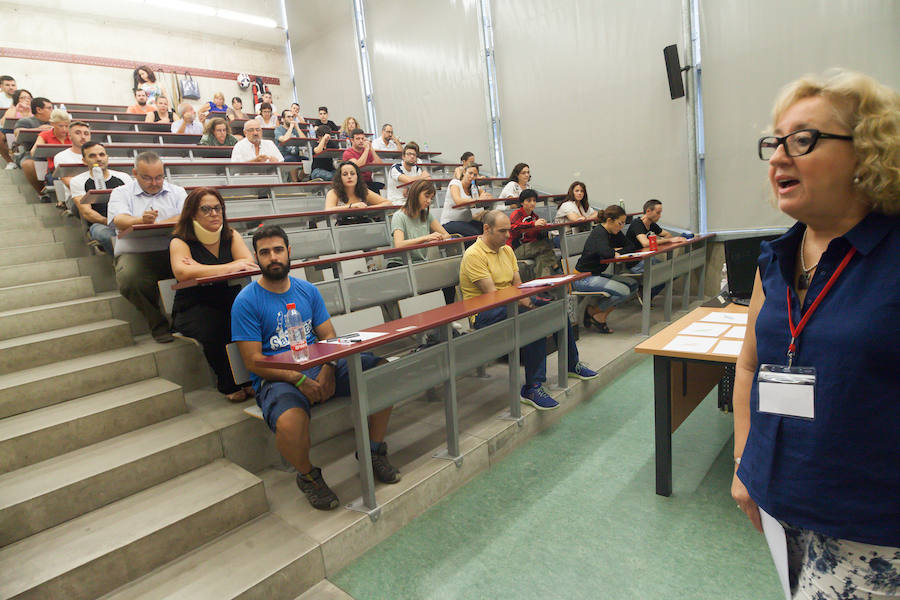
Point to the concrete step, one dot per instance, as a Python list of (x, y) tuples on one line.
[(64, 380), (46, 270), (31, 222), (31, 253), (22, 209), (70, 342), (266, 558), (104, 549), (324, 590), (40, 434), (48, 317), (36, 294), (11, 239), (53, 491)]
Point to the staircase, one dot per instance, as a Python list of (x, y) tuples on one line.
[(112, 461)]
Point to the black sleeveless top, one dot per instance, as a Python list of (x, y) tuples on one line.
[(217, 295), (156, 116)]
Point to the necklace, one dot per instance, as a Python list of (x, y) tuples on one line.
[(803, 281)]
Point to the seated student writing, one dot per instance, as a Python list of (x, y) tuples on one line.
[(600, 245)]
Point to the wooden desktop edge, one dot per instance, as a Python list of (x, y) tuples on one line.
[(321, 352)]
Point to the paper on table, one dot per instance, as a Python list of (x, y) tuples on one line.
[(705, 329), (724, 317), (737, 331), (729, 347), (686, 343), (636, 253), (356, 336), (778, 547), (542, 282)]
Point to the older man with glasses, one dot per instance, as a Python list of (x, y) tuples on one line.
[(253, 148), (141, 262)]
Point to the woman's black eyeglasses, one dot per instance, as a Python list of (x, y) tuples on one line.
[(797, 143)]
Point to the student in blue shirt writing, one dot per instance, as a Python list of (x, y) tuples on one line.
[(285, 396)]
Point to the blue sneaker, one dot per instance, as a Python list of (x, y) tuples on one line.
[(537, 397), (582, 371)]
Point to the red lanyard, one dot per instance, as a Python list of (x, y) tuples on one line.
[(795, 331)]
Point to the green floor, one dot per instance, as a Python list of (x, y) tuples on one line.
[(572, 514)]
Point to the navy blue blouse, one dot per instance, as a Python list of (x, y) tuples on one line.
[(840, 473)]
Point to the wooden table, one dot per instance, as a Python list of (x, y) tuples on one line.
[(681, 380)]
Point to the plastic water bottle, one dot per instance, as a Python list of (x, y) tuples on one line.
[(723, 284), (97, 176), (312, 131), (651, 237), (296, 334), (621, 204), (62, 106)]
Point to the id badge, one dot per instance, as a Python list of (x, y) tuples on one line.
[(787, 391)]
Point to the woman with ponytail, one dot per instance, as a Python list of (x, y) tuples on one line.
[(601, 245)]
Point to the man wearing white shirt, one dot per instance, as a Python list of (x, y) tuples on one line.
[(102, 234), (79, 134), (387, 141), (7, 87), (406, 171), (188, 122), (141, 262), (253, 148)]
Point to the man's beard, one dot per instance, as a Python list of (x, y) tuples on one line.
[(275, 271)]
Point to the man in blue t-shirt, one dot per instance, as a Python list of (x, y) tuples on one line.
[(285, 397)]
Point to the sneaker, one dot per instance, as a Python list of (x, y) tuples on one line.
[(538, 397), (10, 166), (317, 491), (581, 371), (384, 471)]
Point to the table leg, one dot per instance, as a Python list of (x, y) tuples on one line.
[(667, 310), (646, 282), (360, 413), (451, 409), (562, 349), (515, 407), (662, 401)]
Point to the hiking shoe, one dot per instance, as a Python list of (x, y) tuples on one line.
[(317, 491), (538, 397), (581, 371), (384, 471)]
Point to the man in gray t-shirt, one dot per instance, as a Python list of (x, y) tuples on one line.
[(41, 109)]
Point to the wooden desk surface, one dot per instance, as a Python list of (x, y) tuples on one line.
[(322, 352), (655, 344)]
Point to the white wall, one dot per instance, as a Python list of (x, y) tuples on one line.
[(326, 66), (128, 31), (428, 75), (584, 96), (752, 49)]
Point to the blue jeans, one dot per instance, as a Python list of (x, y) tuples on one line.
[(618, 288), (534, 355), (322, 174), (639, 270), (103, 234), (275, 397)]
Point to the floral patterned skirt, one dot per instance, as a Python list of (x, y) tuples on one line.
[(826, 568)]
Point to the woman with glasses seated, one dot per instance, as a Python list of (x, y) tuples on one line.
[(816, 413), (203, 245)]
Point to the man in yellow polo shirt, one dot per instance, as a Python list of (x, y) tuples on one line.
[(489, 265)]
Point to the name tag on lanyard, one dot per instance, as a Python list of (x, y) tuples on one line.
[(787, 391)]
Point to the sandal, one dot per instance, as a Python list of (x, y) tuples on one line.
[(602, 327), (238, 396), (251, 393)]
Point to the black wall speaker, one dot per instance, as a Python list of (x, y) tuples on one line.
[(673, 70)]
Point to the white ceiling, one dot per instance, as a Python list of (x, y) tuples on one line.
[(113, 11)]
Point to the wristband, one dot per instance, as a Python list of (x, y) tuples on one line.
[(300, 382), (737, 460)]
